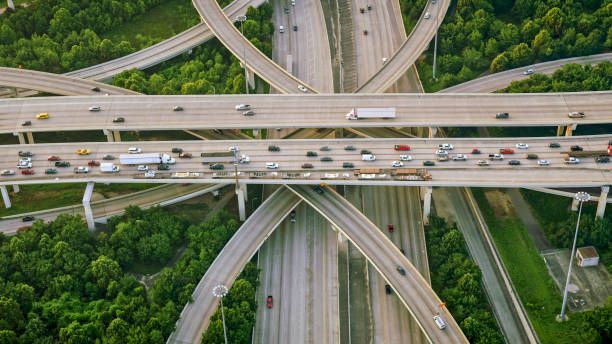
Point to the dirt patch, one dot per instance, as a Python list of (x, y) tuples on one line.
[(96, 196), (500, 202)]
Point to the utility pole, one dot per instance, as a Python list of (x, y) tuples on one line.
[(241, 19), (219, 291), (436, 44)]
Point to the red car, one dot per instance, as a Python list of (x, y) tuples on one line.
[(390, 227), (506, 151), (185, 155), (53, 158), (93, 163), (307, 165), (475, 151), (27, 171), (269, 301), (402, 147)]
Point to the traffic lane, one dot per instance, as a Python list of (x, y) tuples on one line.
[(228, 264), (413, 290)]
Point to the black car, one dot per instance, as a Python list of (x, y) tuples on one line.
[(326, 158), (177, 108), (286, 10), (576, 149), (163, 167), (292, 216), (307, 165), (50, 171), (26, 123), (318, 189), (514, 162), (22, 153), (350, 148), (118, 120), (294, 27), (216, 166), (365, 151), (388, 289), (502, 115), (62, 164), (177, 150), (108, 157), (401, 270), (347, 165), (27, 218), (603, 159), (554, 145), (532, 156), (325, 149), (273, 148), (95, 89), (311, 153), (429, 163)]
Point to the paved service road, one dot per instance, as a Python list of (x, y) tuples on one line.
[(412, 289), (498, 81), (228, 264), (294, 111)]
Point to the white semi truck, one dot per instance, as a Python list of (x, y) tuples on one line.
[(109, 167), (362, 113), (145, 158)]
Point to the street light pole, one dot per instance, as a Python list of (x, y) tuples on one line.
[(436, 44), (581, 197), (220, 291), (241, 19)]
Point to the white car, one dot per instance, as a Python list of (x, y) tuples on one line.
[(446, 146), (543, 162), (143, 168), (427, 15), (25, 160), (81, 169), (368, 157), (405, 158), (384, 60), (242, 107), (496, 156), (150, 174), (24, 164), (528, 72), (271, 165), (459, 157), (244, 159), (397, 164), (94, 108), (441, 152), (571, 160), (7, 173), (302, 88), (482, 163), (522, 146), (134, 150)]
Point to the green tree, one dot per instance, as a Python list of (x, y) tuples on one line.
[(105, 270)]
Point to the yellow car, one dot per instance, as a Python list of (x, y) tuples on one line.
[(83, 151), (43, 115)]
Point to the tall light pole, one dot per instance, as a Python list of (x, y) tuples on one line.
[(219, 291), (580, 197), (241, 19), (436, 44)]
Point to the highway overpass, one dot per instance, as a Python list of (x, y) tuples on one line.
[(301, 111)]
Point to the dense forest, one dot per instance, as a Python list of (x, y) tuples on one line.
[(210, 69), (480, 35), (458, 281), (60, 283)]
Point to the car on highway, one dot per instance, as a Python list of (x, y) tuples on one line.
[(83, 151), (295, 29), (482, 163), (441, 152), (325, 149), (177, 150), (528, 72), (108, 157), (149, 174), (554, 145), (93, 163), (445, 146), (514, 162), (25, 153), (390, 228), (243, 107), (24, 164), (53, 158), (318, 189), (506, 151), (185, 155), (368, 157), (522, 146), (443, 158), (216, 166), (43, 115), (571, 160), (292, 216), (348, 165), (405, 157), (401, 270), (163, 167), (27, 218), (502, 115), (27, 171), (248, 113), (118, 120), (26, 123), (50, 171), (531, 156), (384, 60), (281, 29), (427, 15), (401, 147), (134, 150), (496, 156), (365, 151), (94, 108), (429, 163), (388, 289), (269, 301), (543, 162), (326, 159), (350, 148), (311, 154), (575, 114), (81, 169), (476, 151), (271, 165), (273, 148), (62, 164), (307, 165), (95, 89), (439, 322), (576, 148), (397, 164), (603, 159), (7, 173), (177, 108), (143, 168), (286, 10), (459, 157)]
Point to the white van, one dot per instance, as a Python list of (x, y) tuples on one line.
[(281, 29), (292, 2), (439, 322), (368, 157)]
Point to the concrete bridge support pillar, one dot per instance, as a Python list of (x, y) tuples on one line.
[(109, 135), (603, 200), (560, 129), (570, 129), (22, 140), (432, 132), (574, 204), (5, 196), (255, 132), (241, 192), (86, 204), (426, 195), (117, 135), (30, 137), (12, 6), (15, 188)]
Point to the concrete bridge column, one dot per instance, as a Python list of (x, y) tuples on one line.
[(574, 204), (15, 188), (241, 193), (603, 200), (87, 206), (117, 135), (30, 137), (109, 135), (432, 132), (560, 129), (569, 129), (21, 138), (5, 196), (255, 132), (426, 195)]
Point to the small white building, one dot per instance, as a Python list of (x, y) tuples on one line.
[(587, 256)]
